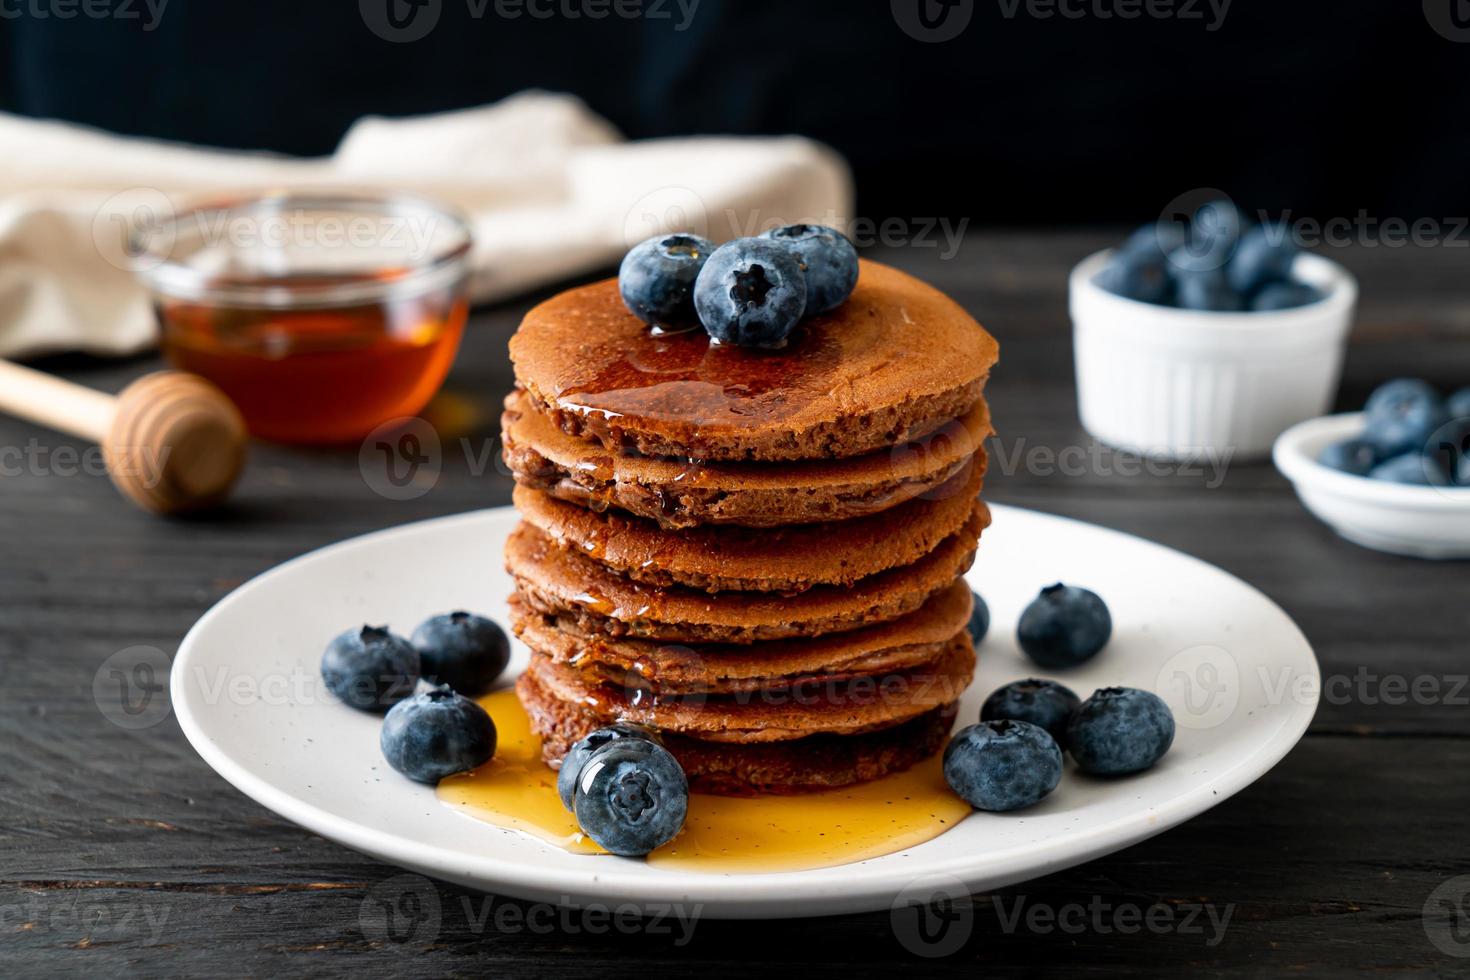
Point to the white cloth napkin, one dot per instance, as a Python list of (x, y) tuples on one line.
[(551, 189)]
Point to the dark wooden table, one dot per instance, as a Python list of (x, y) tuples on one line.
[(122, 853)]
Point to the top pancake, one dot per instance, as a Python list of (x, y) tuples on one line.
[(897, 359)]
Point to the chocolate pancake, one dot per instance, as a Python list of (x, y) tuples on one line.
[(801, 765), (825, 706), (899, 358), (784, 559), (681, 493), (557, 582), (674, 669)]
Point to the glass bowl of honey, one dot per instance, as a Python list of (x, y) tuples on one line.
[(320, 316)]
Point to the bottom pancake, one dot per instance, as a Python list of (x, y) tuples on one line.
[(803, 765)]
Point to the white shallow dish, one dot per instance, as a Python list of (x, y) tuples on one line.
[(1184, 384), (1237, 672), (1422, 522)]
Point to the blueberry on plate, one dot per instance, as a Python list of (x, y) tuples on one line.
[(632, 796), (465, 651), (1458, 404), (1402, 415), (828, 259), (1415, 469), (370, 668), (1264, 256), (1285, 296), (1120, 730), (1355, 456), (581, 751), (1138, 276), (979, 618), (1064, 626), (1002, 765), (657, 277), (435, 734), (751, 292), (1043, 703)]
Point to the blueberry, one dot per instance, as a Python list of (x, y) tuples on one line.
[(1355, 456), (751, 292), (631, 796), (1264, 257), (1415, 469), (1043, 703), (657, 277), (578, 754), (1002, 765), (435, 734), (1064, 626), (1448, 445), (1458, 404), (1138, 276), (465, 651), (1462, 471), (979, 618), (1402, 415), (370, 668), (1199, 281), (1154, 241), (1120, 730), (1285, 296), (827, 258), (1216, 228)]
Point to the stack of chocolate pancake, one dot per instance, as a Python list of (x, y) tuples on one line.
[(756, 553)]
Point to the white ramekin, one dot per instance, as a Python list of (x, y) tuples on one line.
[(1424, 522), (1180, 384)]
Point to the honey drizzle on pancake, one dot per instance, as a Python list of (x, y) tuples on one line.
[(723, 834)]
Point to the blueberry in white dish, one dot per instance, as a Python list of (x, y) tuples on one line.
[(437, 733), (1002, 765), (632, 796), (1355, 456), (370, 668), (1216, 228), (1285, 296), (828, 259), (1064, 626), (1401, 415), (1200, 282), (1137, 275), (1043, 703), (1458, 404), (979, 618), (1263, 257), (751, 293), (657, 277), (581, 751), (1120, 730), (1412, 469), (465, 651)]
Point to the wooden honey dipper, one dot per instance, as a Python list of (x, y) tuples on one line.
[(171, 441)]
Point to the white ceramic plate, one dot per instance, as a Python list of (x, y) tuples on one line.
[(1237, 672), (1422, 522)]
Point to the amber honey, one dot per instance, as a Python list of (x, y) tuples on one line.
[(722, 835), (319, 375)]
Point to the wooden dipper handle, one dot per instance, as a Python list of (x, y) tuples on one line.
[(172, 441)]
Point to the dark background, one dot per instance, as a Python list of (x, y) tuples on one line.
[(1322, 107)]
